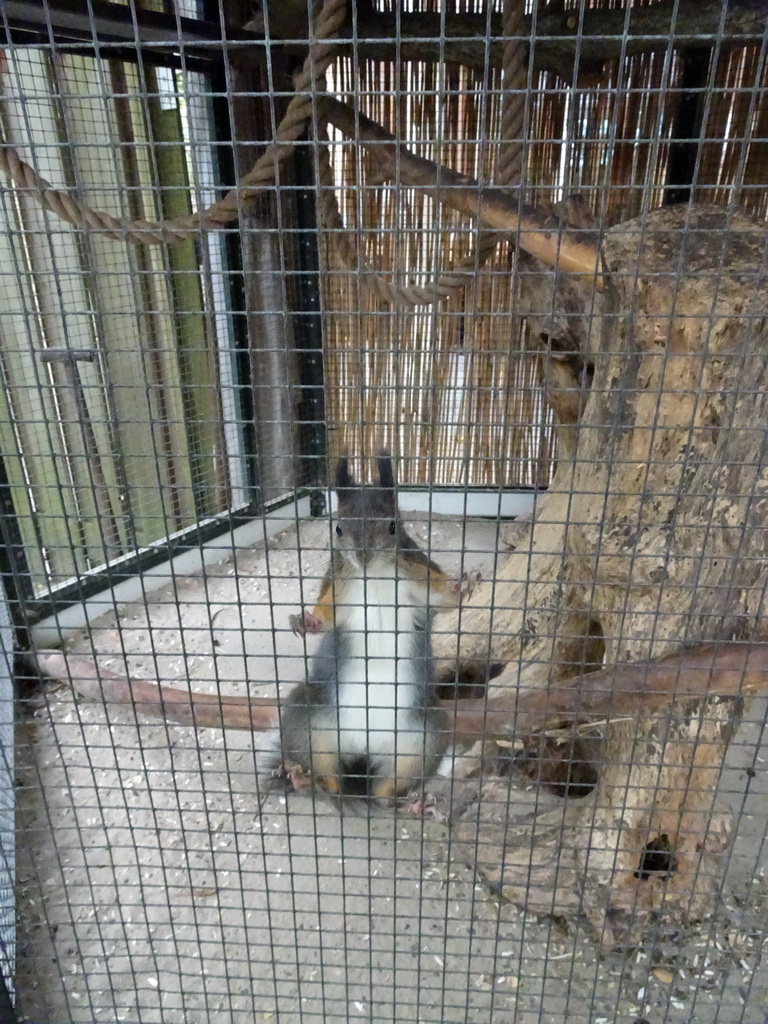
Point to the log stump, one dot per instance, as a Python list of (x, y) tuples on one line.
[(652, 536)]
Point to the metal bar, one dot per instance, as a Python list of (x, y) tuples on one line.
[(68, 360)]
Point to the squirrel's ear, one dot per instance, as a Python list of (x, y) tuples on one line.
[(343, 479), (386, 472)]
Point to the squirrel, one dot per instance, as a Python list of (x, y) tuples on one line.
[(367, 722)]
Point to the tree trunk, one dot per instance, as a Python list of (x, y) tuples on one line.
[(653, 535)]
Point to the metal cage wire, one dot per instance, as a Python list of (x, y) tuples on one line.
[(171, 417)]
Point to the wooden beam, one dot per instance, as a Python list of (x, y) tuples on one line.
[(475, 40)]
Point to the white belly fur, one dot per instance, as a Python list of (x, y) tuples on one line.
[(379, 686)]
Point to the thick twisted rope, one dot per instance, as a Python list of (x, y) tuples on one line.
[(259, 178), (262, 176), (347, 252), (509, 168)]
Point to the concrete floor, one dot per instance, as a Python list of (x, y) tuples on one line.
[(151, 888)]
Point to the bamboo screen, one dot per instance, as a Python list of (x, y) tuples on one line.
[(450, 386), (455, 390)]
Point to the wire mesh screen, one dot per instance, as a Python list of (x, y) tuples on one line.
[(446, 375), (383, 482), (112, 424)]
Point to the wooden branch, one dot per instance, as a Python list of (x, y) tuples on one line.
[(538, 235), (200, 710), (625, 690), (730, 669), (559, 35)]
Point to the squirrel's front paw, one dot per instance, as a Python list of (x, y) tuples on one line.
[(465, 585), (293, 773), (297, 776), (305, 623)]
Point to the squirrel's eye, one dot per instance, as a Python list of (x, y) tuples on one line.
[(393, 527), (339, 531)]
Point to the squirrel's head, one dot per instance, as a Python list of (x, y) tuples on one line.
[(368, 525)]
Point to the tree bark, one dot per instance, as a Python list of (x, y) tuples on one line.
[(655, 532)]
